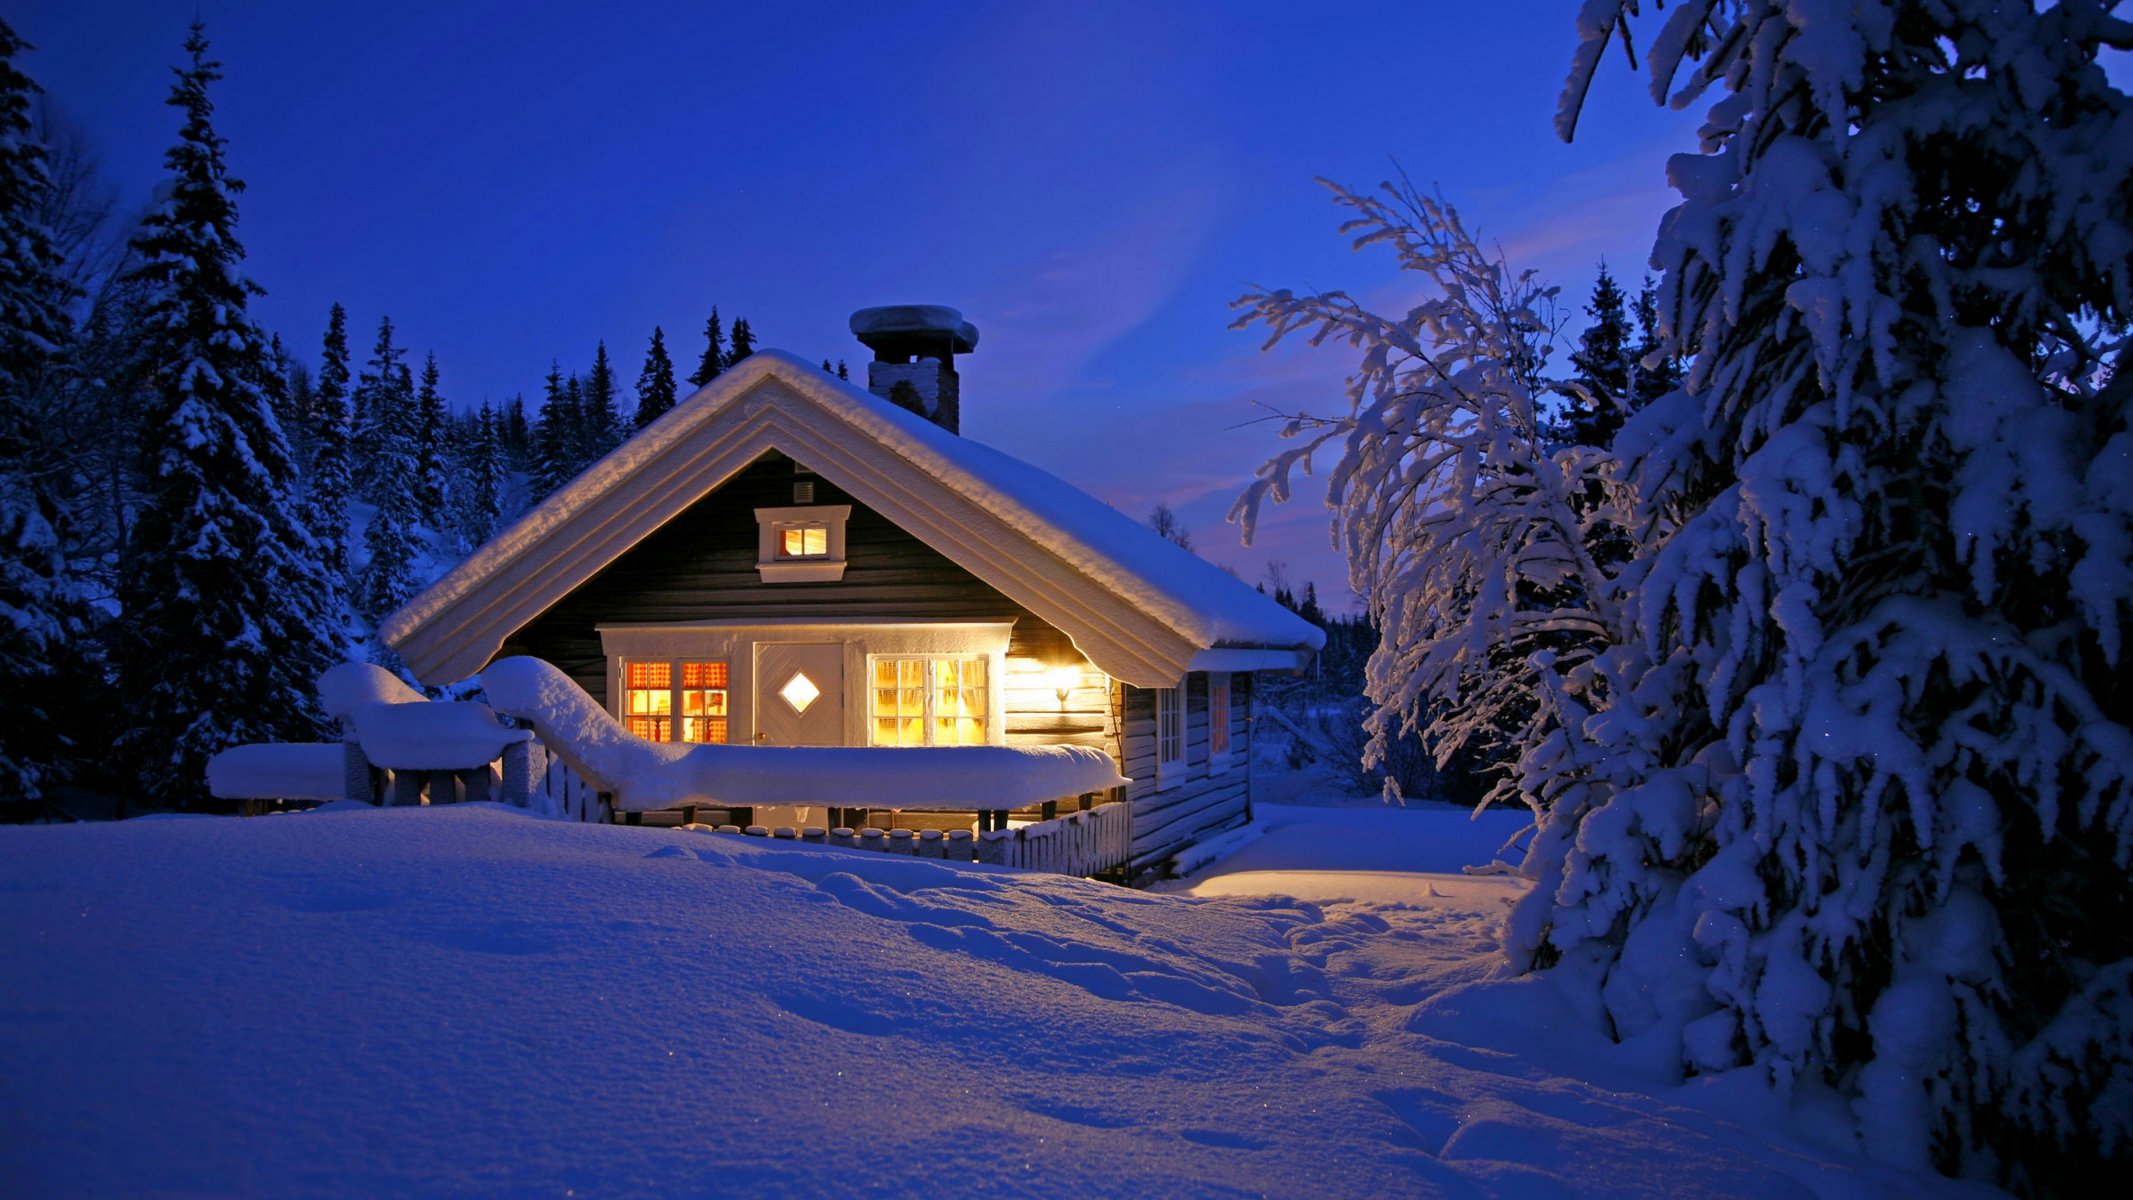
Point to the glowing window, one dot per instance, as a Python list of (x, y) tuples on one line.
[(655, 693), (801, 543), (803, 540), (929, 702)]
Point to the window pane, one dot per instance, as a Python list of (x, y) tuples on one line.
[(704, 729), (803, 541), (703, 674), (650, 674)]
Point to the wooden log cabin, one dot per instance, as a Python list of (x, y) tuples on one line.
[(788, 559)]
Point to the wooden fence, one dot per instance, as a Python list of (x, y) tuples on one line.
[(1095, 841)]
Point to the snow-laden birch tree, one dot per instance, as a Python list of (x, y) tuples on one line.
[(1471, 543)]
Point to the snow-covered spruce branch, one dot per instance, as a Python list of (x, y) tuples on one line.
[(1472, 542)]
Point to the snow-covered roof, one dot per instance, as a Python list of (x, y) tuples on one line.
[(1139, 607)]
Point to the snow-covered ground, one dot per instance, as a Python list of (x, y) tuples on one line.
[(472, 1000)]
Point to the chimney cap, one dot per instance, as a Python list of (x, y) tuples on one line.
[(903, 330)]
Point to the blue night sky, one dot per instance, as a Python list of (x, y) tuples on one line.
[(1091, 183)]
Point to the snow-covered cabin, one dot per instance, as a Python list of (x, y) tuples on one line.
[(788, 559)]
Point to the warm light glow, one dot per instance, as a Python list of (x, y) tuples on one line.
[(649, 700), (929, 702), (1064, 680), (803, 541), (799, 691)]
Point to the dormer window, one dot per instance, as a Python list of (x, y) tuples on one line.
[(801, 544), (803, 539)]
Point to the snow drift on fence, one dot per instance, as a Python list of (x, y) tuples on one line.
[(646, 775), (344, 688), (437, 736)]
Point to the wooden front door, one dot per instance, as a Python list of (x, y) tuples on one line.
[(799, 694)]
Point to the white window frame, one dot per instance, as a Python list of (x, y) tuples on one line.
[(676, 719), (737, 642), (1218, 717), (1170, 769), (773, 566), (994, 735)]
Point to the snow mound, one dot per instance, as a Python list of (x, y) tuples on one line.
[(277, 771), (432, 736), (344, 688), (644, 775), (461, 1000)]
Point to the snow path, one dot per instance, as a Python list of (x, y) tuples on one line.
[(471, 1000)]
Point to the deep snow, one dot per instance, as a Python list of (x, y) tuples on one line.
[(470, 999)]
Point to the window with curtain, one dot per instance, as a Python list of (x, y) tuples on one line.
[(928, 701)]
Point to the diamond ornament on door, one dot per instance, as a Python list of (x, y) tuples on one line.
[(799, 691)]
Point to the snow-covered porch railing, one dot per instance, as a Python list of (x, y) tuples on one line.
[(639, 777), (399, 747), (1091, 841)]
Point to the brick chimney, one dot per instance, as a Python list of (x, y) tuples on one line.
[(914, 349)]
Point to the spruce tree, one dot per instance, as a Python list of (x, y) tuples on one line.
[(603, 423), (1601, 396), (655, 383), (1865, 819), (482, 514), (41, 609), (714, 359), (389, 577), (432, 481), (382, 404), (331, 483), (743, 342), (517, 435), (226, 622), (554, 437), (1655, 370), (843, 372)]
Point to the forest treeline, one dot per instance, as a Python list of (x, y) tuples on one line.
[(193, 520)]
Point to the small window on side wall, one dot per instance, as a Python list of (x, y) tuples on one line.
[(1169, 735), (801, 543)]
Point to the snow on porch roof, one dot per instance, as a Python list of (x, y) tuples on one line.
[(1197, 604)]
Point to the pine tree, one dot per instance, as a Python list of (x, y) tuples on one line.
[(383, 400), (1600, 395), (714, 359), (655, 383), (331, 481), (303, 403), (554, 438), (1874, 789), (388, 579), (517, 435), (843, 372), (603, 423), (1656, 371), (41, 610), (482, 514), (431, 478), (226, 622), (743, 342)]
